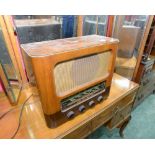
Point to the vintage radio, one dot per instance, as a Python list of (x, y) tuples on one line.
[(72, 74)]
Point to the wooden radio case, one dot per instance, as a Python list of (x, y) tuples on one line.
[(72, 74)]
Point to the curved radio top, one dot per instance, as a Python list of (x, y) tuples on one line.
[(51, 47)]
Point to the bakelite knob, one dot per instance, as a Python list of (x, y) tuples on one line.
[(70, 114), (82, 108), (91, 103), (100, 98)]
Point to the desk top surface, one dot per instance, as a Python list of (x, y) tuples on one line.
[(33, 124)]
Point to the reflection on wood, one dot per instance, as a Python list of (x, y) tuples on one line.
[(128, 63), (125, 67)]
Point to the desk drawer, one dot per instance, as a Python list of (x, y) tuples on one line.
[(101, 119), (80, 132), (120, 116), (110, 112), (125, 101)]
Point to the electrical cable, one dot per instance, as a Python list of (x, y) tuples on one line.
[(3, 115), (20, 115)]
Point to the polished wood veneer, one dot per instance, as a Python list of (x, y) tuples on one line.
[(33, 124)]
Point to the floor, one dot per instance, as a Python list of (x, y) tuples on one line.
[(141, 126)]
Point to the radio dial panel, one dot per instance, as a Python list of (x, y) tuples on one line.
[(84, 96)]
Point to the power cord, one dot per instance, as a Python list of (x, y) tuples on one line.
[(20, 116), (3, 115)]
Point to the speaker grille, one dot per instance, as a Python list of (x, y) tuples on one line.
[(73, 73)]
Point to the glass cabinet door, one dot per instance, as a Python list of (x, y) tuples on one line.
[(94, 24), (8, 73), (129, 30), (5, 59), (36, 28), (89, 25), (102, 25)]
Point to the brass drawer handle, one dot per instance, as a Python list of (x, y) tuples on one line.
[(122, 116), (115, 111)]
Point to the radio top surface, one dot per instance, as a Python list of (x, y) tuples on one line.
[(51, 47)]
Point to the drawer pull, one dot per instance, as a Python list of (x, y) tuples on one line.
[(115, 111), (122, 116)]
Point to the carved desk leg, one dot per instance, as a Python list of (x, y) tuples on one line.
[(123, 126)]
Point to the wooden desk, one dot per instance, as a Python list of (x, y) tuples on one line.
[(33, 124)]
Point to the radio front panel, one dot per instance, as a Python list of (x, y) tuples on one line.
[(71, 74)]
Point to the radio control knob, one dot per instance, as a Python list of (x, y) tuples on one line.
[(91, 103), (70, 114), (82, 108), (100, 98)]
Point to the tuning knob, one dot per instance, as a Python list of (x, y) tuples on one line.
[(82, 108), (70, 114), (100, 98), (91, 103)]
